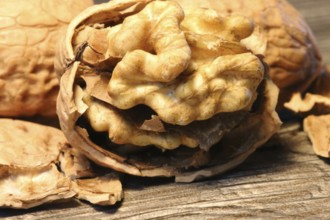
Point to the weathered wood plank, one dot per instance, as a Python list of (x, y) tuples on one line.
[(283, 179)]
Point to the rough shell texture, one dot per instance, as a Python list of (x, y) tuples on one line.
[(34, 169), (281, 35), (171, 102), (29, 30)]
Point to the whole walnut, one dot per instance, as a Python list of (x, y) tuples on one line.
[(29, 30), (150, 89), (281, 35)]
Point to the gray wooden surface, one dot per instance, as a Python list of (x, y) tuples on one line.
[(284, 179)]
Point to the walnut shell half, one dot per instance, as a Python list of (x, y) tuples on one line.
[(29, 31), (38, 166), (152, 90)]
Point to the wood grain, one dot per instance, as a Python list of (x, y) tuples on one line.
[(284, 179)]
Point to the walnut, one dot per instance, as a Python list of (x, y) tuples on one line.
[(281, 35), (150, 89), (38, 166), (28, 35), (290, 50)]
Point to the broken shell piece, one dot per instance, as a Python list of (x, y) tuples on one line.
[(74, 164), (316, 126), (26, 188), (37, 166), (177, 95), (317, 105), (28, 172), (104, 190), (309, 104), (318, 130), (28, 145)]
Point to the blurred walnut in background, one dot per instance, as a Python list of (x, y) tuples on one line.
[(29, 31)]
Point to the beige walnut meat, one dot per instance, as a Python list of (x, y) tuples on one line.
[(38, 166), (281, 35), (29, 31), (150, 89)]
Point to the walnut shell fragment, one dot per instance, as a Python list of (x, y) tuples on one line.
[(318, 130), (103, 190), (316, 106), (316, 101), (309, 104), (34, 170), (149, 89), (281, 35), (29, 31)]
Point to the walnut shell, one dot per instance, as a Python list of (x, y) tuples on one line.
[(318, 130), (152, 90), (38, 166), (29, 31), (281, 35)]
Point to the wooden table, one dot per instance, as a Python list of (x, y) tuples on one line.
[(282, 179)]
